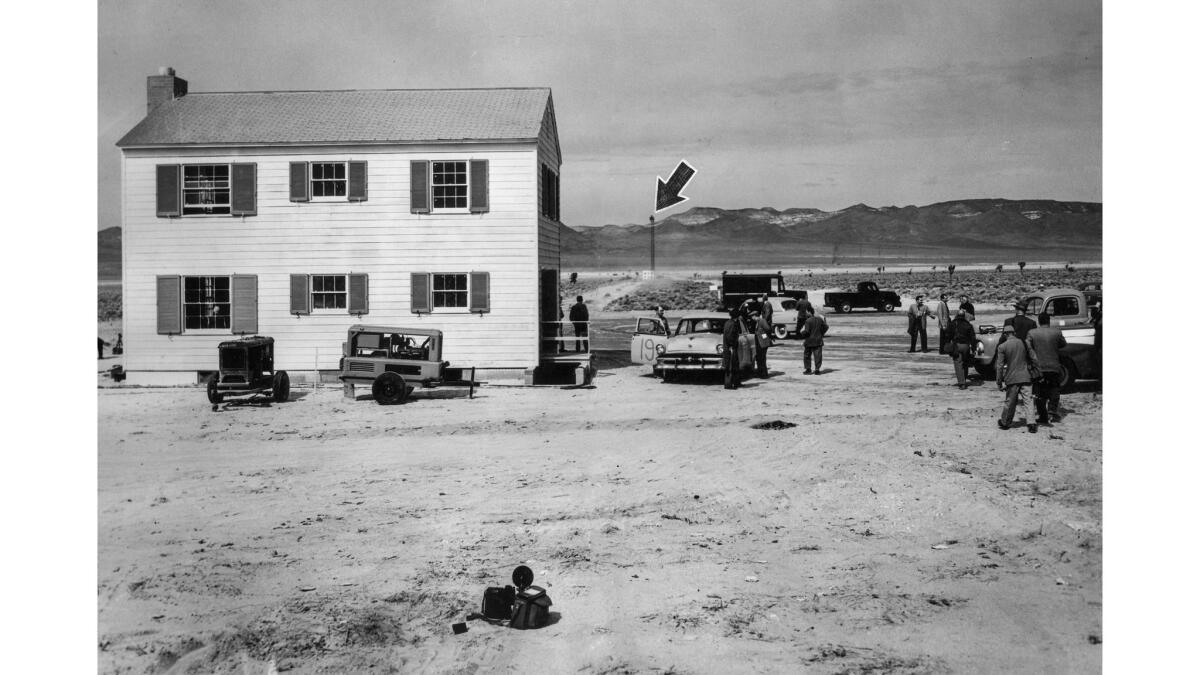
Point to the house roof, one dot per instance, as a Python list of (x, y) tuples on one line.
[(355, 116)]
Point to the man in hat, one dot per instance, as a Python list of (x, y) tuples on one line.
[(579, 320), (917, 313), (962, 341), (1013, 356), (1046, 341), (1020, 323)]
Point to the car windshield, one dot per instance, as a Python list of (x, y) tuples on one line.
[(687, 326)]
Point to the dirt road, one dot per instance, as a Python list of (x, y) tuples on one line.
[(893, 529)]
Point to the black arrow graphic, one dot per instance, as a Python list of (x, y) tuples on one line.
[(668, 193)]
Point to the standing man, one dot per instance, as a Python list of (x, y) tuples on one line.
[(762, 340), (733, 374), (1046, 341), (942, 312), (964, 303), (803, 307), (917, 313), (767, 309), (962, 341), (1012, 376), (813, 334), (579, 319), (1021, 323)]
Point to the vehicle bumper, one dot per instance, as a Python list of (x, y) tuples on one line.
[(685, 364)]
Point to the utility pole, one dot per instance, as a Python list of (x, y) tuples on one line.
[(652, 244)]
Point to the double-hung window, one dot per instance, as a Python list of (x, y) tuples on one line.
[(328, 179), (449, 290), (205, 189), (206, 303), (450, 185), (328, 291)]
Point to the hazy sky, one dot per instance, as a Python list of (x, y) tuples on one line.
[(786, 104)]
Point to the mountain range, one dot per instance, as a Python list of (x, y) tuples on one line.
[(957, 231), (966, 229)]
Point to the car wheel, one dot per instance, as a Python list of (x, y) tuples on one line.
[(1069, 375), (389, 389), (986, 372), (281, 386), (887, 307), (780, 331), (845, 308), (214, 396)]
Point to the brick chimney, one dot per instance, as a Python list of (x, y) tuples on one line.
[(163, 87)]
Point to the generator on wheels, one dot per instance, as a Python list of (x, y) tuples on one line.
[(247, 368), (393, 360)]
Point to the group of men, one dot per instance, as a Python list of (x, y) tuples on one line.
[(1026, 357), (756, 314)]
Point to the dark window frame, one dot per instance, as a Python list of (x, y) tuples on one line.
[(206, 188)]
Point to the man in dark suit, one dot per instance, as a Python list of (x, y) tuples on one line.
[(1020, 323), (962, 342), (1046, 341), (813, 334), (730, 362), (579, 319)]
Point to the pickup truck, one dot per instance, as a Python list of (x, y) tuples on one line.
[(868, 295), (1068, 310)]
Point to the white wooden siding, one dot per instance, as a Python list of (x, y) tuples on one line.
[(378, 237)]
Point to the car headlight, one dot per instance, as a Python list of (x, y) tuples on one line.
[(660, 349), (720, 348), (979, 349)]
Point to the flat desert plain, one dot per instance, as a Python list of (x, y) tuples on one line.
[(886, 526)]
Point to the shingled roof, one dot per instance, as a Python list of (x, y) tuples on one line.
[(357, 116)]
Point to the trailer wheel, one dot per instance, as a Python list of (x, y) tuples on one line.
[(214, 396), (780, 331), (389, 389), (281, 386), (845, 308)]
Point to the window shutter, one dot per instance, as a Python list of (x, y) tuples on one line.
[(169, 308), (479, 186), (300, 295), (420, 293), (244, 186), (244, 316), (358, 294), (298, 180), (557, 197), (419, 186), (167, 190), (480, 300), (357, 189)]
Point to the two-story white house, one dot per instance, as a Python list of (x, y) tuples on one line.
[(296, 214)]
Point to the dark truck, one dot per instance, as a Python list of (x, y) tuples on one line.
[(868, 295), (737, 288)]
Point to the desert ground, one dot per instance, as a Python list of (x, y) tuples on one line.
[(872, 519)]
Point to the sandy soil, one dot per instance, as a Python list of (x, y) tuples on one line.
[(893, 529)]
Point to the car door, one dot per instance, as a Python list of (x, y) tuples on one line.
[(648, 335)]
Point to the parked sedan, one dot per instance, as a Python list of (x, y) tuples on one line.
[(696, 346)]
